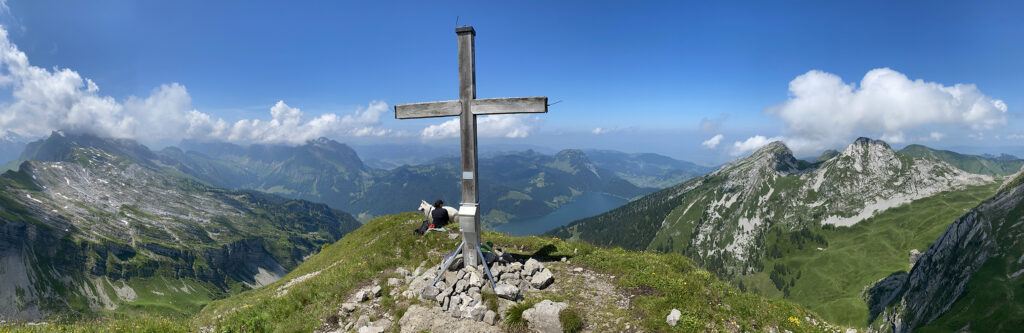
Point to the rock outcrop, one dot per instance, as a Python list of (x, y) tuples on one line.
[(543, 316), (941, 275)]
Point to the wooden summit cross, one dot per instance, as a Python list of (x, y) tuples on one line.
[(467, 108)]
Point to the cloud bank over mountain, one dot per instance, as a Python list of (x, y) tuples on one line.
[(43, 100), (496, 126), (823, 111)]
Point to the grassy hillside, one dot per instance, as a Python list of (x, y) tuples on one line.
[(831, 280), (969, 163), (655, 283)]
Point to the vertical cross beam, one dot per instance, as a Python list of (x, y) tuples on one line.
[(467, 93), (467, 108), (469, 223)]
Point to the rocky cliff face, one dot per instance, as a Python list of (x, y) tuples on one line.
[(771, 188), (981, 248), (89, 225), (721, 218)]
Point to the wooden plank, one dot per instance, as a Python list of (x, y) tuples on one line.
[(428, 110), (510, 105), (467, 63), (467, 140), (467, 121)]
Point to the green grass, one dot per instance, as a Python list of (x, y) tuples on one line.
[(491, 300), (657, 283), (668, 281), (306, 304), (831, 281), (514, 321), (570, 320), (113, 323), (173, 302)]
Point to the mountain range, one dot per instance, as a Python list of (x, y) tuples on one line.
[(820, 233), (514, 185), (918, 239), (736, 205), (90, 224)]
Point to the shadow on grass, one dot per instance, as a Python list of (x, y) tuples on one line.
[(544, 253)]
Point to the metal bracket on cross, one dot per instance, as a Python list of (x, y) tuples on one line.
[(467, 108)]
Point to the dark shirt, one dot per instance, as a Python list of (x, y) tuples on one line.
[(440, 216)]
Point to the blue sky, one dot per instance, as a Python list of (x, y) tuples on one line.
[(660, 77)]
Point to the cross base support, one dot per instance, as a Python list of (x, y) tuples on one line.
[(451, 258)]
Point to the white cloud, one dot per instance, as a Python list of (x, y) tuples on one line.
[(824, 111), (934, 136), (712, 142), (599, 131), (1015, 136), (751, 144), (496, 126), (894, 138), (44, 100)]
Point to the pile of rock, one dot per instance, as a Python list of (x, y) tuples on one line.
[(531, 275), (363, 323), (459, 291)]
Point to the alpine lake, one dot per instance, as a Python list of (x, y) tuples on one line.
[(586, 205)]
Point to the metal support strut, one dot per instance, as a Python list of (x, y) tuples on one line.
[(448, 262), (486, 269)]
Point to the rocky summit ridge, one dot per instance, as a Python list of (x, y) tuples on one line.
[(720, 219)]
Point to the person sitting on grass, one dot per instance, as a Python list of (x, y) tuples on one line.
[(438, 214)]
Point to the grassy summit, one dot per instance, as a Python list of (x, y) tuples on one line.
[(652, 283)]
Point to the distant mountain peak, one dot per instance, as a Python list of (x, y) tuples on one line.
[(864, 141), (775, 155), (862, 145), (60, 144), (827, 155), (776, 146), (322, 141), (573, 160)]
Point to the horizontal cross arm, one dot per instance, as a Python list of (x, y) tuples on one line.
[(510, 105), (428, 110)]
